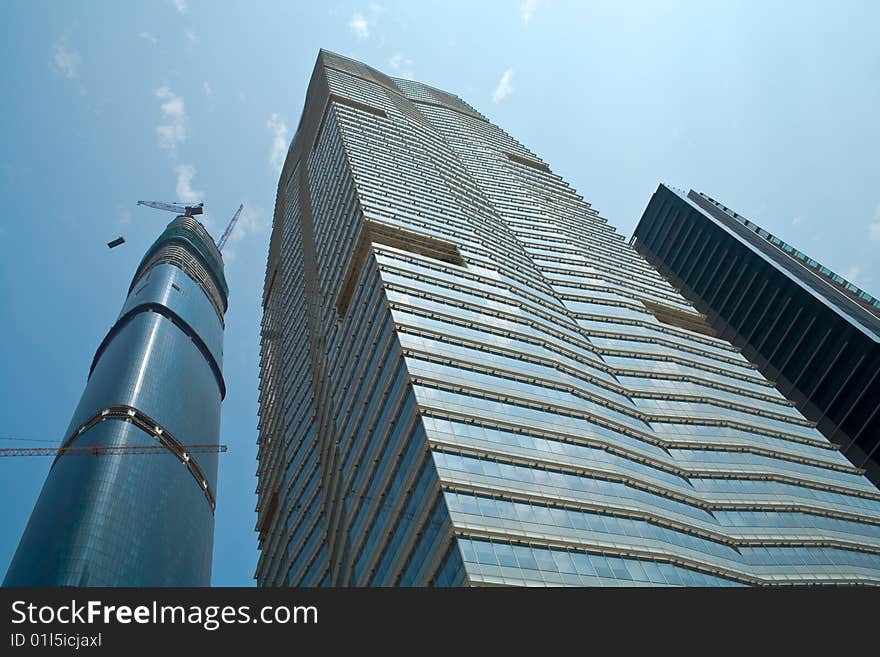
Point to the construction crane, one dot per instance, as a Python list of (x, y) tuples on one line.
[(106, 450), (179, 208), (229, 228), (192, 210)]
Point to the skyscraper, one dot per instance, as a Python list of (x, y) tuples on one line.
[(124, 518), (809, 330), (468, 377)]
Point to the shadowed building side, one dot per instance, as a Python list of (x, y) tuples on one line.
[(127, 519), (810, 331)]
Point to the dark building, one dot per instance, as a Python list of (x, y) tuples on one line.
[(140, 512), (468, 377), (810, 331)]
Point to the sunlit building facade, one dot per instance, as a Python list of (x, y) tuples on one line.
[(139, 509), (469, 378)]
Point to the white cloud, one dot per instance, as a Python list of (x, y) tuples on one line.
[(124, 216), (180, 5), (401, 66), (185, 192), (67, 61), (504, 88), (853, 274), (173, 131), (796, 221), (206, 87), (146, 36), (874, 228), (527, 10), (280, 141), (359, 25), (191, 36)]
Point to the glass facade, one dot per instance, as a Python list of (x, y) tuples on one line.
[(807, 329), (469, 378), (141, 519)]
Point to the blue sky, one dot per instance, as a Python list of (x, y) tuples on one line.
[(768, 106)]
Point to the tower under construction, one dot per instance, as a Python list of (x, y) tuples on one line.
[(125, 515)]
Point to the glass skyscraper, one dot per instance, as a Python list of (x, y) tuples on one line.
[(469, 378), (808, 329), (124, 518)]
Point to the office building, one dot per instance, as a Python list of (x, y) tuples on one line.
[(469, 378), (809, 330), (138, 510)]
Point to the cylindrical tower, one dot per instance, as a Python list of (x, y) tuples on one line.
[(127, 519)]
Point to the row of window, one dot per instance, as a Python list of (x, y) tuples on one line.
[(523, 564)]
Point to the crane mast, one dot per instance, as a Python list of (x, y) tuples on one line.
[(229, 228)]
